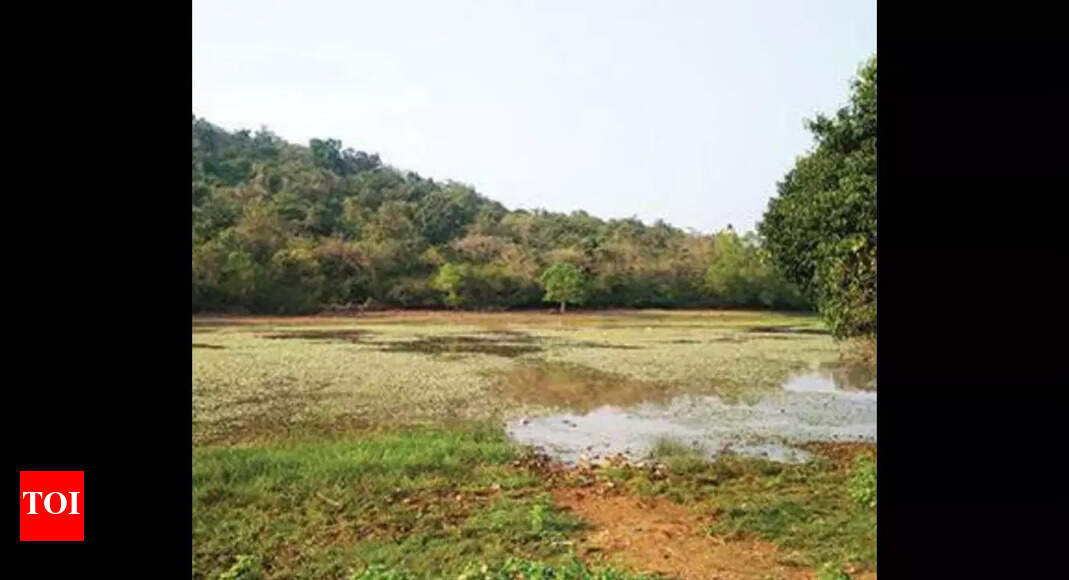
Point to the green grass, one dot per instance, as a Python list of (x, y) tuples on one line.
[(435, 503), (514, 568), (428, 502), (863, 481), (822, 513)]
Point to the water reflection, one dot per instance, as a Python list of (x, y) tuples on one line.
[(823, 405)]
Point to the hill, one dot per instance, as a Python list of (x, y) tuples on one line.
[(284, 228)]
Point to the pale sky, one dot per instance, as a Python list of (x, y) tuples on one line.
[(688, 111)]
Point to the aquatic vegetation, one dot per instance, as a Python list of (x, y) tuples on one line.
[(270, 378)]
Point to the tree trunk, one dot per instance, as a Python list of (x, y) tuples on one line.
[(562, 308)]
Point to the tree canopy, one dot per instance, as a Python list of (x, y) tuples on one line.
[(820, 229), (564, 283)]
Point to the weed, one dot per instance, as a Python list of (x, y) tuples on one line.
[(680, 458), (863, 481), (511, 569), (245, 568), (831, 571), (807, 508)]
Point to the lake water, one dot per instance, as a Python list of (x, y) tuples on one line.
[(814, 406)]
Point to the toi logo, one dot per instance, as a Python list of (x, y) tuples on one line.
[(51, 506)]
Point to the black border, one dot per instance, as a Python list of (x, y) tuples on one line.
[(97, 278), (972, 172)]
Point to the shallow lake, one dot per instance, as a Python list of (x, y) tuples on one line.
[(831, 404)]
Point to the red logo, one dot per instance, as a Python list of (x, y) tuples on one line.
[(52, 506)]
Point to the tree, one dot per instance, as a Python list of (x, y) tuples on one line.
[(820, 230), (328, 154), (450, 279), (443, 214), (564, 283), (741, 274)]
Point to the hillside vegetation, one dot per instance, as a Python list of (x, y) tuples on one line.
[(283, 228)]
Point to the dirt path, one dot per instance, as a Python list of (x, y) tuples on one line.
[(658, 536)]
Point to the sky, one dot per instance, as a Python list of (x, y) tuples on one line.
[(687, 111)]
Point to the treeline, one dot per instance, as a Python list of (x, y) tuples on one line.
[(282, 228)]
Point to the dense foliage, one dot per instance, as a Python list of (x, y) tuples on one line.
[(821, 228), (282, 228), (564, 283)]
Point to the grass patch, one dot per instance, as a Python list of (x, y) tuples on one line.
[(512, 569), (863, 481), (821, 512), (429, 502), (680, 458)]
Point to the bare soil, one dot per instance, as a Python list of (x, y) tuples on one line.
[(657, 536)]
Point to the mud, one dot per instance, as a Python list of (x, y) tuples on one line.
[(331, 335), (509, 346), (607, 345), (656, 536), (786, 330)]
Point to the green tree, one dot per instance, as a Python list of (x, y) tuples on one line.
[(564, 283), (821, 227), (741, 274), (450, 279), (730, 275), (442, 215)]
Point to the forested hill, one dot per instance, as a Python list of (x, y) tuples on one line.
[(283, 228)]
